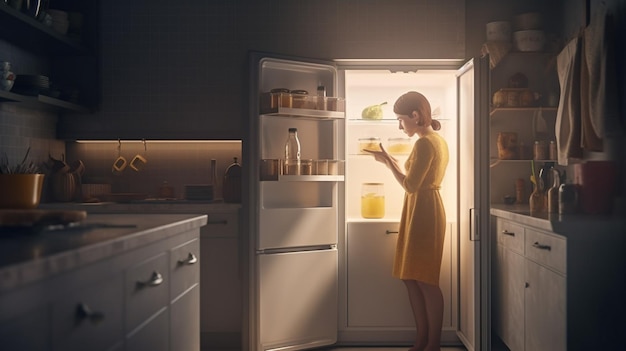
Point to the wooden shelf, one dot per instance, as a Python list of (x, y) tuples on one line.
[(40, 101)]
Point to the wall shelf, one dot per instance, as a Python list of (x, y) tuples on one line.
[(40, 101)]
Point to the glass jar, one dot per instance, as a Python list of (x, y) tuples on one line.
[(540, 150), (372, 200)]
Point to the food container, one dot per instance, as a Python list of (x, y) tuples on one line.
[(499, 31), (399, 146), (507, 146), (269, 169), (320, 167), (280, 97), (336, 167), (540, 150), (372, 200), (529, 40), (371, 143), (299, 98), (306, 167)]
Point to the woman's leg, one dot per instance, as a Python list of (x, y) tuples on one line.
[(433, 300), (418, 307)]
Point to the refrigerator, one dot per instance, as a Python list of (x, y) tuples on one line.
[(294, 244)]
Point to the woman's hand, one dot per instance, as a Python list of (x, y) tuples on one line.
[(382, 156)]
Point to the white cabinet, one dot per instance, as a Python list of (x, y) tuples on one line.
[(220, 274), (144, 298), (530, 288), (377, 303)]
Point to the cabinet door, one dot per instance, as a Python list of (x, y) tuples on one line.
[(146, 290), (30, 331), (375, 298), (509, 298), (544, 309), (90, 318), (185, 321), (153, 336)]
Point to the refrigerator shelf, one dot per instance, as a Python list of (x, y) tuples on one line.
[(308, 178)]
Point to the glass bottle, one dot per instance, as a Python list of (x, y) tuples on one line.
[(292, 153), (553, 192), (372, 200), (537, 199)]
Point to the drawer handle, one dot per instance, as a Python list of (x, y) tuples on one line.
[(506, 232), (541, 246), (84, 312), (223, 221), (191, 259), (391, 232), (155, 280)]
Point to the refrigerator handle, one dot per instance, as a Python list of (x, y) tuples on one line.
[(473, 225), (389, 232)]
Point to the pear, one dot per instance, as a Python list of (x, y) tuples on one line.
[(373, 111)]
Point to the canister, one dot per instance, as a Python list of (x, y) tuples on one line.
[(372, 143), (372, 200), (399, 146)]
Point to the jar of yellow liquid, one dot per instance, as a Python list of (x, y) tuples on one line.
[(372, 200)]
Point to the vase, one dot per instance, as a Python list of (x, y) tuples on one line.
[(20, 191)]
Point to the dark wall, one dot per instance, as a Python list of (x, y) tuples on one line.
[(177, 69)]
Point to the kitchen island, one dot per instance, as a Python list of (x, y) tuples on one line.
[(558, 281), (116, 281)]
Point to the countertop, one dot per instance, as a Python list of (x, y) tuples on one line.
[(566, 225), (26, 258), (165, 206)]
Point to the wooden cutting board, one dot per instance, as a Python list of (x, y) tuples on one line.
[(32, 218)]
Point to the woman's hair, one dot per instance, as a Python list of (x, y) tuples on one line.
[(414, 101)]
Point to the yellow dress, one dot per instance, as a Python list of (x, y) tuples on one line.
[(423, 223)]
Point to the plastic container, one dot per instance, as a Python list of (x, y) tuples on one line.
[(371, 143), (372, 200), (299, 98), (399, 146)]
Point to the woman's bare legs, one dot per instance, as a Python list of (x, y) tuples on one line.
[(433, 299), (427, 306)]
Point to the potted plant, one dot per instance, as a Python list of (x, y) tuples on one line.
[(20, 184)]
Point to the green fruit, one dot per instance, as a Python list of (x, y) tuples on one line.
[(373, 112)]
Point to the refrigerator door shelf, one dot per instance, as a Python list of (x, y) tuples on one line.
[(303, 113), (310, 178)]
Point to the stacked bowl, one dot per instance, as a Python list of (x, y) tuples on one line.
[(528, 35)]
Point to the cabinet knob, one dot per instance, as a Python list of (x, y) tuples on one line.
[(506, 232), (542, 246), (83, 312), (155, 280), (191, 259)]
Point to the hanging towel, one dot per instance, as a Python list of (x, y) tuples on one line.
[(567, 127), (589, 138), (602, 92)]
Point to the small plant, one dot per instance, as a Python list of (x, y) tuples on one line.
[(24, 167)]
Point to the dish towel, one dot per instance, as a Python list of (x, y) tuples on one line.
[(567, 127), (600, 104)]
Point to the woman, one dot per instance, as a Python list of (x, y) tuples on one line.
[(419, 249)]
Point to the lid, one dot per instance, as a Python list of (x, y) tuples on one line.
[(399, 139), (300, 92), (291, 130), (369, 139), (279, 90)]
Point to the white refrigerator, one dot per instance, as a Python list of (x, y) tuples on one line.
[(294, 243)]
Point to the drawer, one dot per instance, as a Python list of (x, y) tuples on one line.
[(184, 267), (547, 250), (221, 224), (510, 235), (91, 316), (146, 289)]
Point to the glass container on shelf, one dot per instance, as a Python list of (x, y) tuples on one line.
[(372, 200)]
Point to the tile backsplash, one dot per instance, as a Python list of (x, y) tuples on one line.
[(177, 162)]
